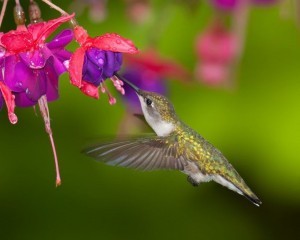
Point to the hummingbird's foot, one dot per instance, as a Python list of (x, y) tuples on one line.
[(192, 181)]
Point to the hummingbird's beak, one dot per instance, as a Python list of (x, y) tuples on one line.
[(135, 88)]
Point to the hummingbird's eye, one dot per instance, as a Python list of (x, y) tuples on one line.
[(148, 101)]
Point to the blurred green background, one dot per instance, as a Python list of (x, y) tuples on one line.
[(256, 126)]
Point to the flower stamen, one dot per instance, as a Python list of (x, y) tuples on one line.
[(46, 116), (111, 99), (118, 84)]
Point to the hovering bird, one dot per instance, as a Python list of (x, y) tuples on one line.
[(176, 146)]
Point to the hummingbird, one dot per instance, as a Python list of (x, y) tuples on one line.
[(176, 147)]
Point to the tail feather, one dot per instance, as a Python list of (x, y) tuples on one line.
[(254, 199), (240, 188)]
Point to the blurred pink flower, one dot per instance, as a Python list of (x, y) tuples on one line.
[(138, 11), (216, 48)]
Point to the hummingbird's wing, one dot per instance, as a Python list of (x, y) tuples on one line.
[(148, 153)]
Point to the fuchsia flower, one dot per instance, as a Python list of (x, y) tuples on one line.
[(149, 71), (31, 66), (216, 48), (96, 60)]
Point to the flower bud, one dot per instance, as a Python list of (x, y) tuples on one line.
[(35, 14), (19, 15)]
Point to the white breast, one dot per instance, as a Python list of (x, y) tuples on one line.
[(160, 127)]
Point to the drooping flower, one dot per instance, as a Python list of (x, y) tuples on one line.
[(31, 67), (219, 48), (216, 49), (96, 60)]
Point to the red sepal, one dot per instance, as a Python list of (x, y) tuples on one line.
[(90, 90), (75, 67), (115, 43)]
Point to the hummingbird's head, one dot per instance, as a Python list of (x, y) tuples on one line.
[(157, 109)]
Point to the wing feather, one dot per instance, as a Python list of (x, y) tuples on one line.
[(148, 153)]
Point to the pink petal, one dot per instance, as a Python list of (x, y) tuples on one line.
[(90, 89), (216, 44), (212, 73), (10, 103), (115, 43), (76, 65), (48, 28), (36, 28), (17, 41)]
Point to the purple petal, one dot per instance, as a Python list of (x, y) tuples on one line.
[(58, 59), (52, 81), (112, 64), (99, 65), (92, 73), (22, 100), (17, 74), (119, 60), (37, 86), (61, 40), (96, 56), (44, 81), (35, 59), (56, 49)]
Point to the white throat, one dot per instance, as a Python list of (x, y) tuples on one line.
[(160, 127)]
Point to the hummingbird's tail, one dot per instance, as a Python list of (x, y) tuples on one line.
[(247, 192), (240, 187), (253, 198)]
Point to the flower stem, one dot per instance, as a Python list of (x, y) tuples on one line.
[(46, 116), (3, 11), (63, 12), (57, 8)]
